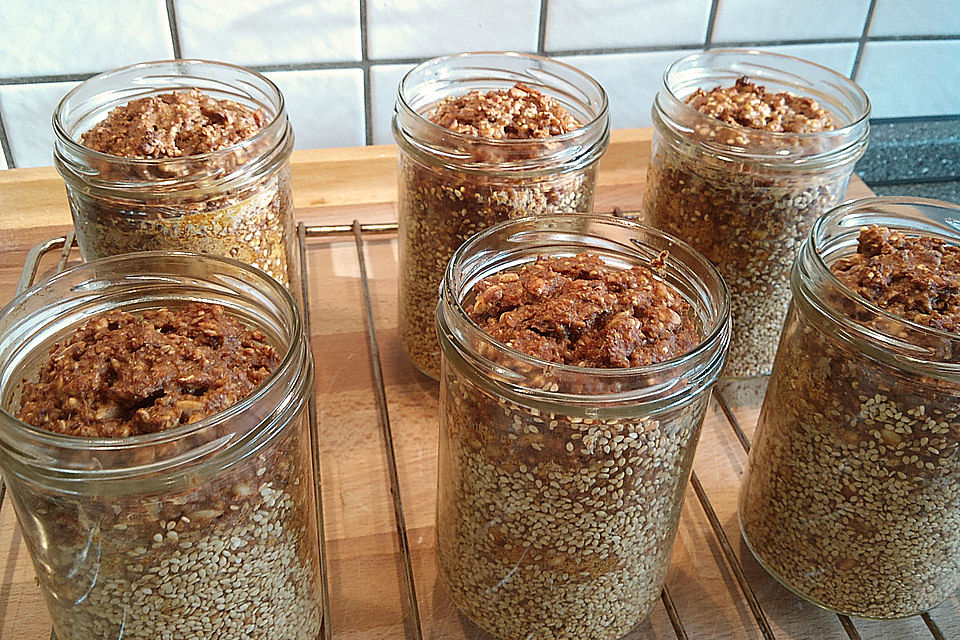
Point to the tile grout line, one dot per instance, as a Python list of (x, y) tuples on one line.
[(899, 119), (698, 46), (310, 66), (711, 24), (365, 67), (918, 38), (361, 64), (294, 66), (911, 180), (174, 29), (5, 146), (41, 79), (839, 40), (542, 29), (863, 40)]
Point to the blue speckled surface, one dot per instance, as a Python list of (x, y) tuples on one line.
[(911, 149), (915, 157), (949, 191)]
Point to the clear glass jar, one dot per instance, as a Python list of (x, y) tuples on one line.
[(560, 487), (204, 530), (851, 499), (453, 185), (746, 198), (232, 202)]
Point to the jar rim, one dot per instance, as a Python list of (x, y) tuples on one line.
[(278, 119), (782, 149), (863, 113), (817, 243), (20, 428), (403, 101), (451, 299)]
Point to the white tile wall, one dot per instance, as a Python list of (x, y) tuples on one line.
[(631, 81), (384, 80), (762, 20), (911, 78), (583, 24), (43, 37), (423, 28), (313, 50), (325, 107), (251, 32), (838, 56), (26, 110), (915, 18)]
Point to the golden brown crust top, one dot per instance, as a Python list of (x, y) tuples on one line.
[(914, 277), (517, 113), (173, 125), (751, 105), (584, 312), (121, 375)]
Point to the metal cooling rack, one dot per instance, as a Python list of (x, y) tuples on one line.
[(359, 232)]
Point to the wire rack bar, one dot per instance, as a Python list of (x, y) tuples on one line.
[(31, 266), (374, 229), (932, 626), (731, 557), (733, 421), (66, 243), (32, 262), (847, 625), (27, 277), (327, 631), (673, 614), (413, 607)]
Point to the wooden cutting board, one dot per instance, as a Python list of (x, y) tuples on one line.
[(366, 588)]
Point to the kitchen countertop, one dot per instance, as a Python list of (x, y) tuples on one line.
[(367, 601), (914, 157)]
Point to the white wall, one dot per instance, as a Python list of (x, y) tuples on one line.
[(339, 61)]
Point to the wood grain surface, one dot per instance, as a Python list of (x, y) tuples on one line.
[(367, 603)]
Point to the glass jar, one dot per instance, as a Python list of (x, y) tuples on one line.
[(453, 185), (204, 530), (851, 498), (746, 198), (233, 202), (560, 487)]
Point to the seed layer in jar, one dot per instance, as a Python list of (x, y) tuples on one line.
[(853, 492), (441, 207), (552, 524), (746, 218), (250, 222), (230, 555)]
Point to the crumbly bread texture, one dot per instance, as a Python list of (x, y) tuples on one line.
[(517, 113), (751, 105), (121, 375), (581, 311), (914, 277), (173, 125)]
